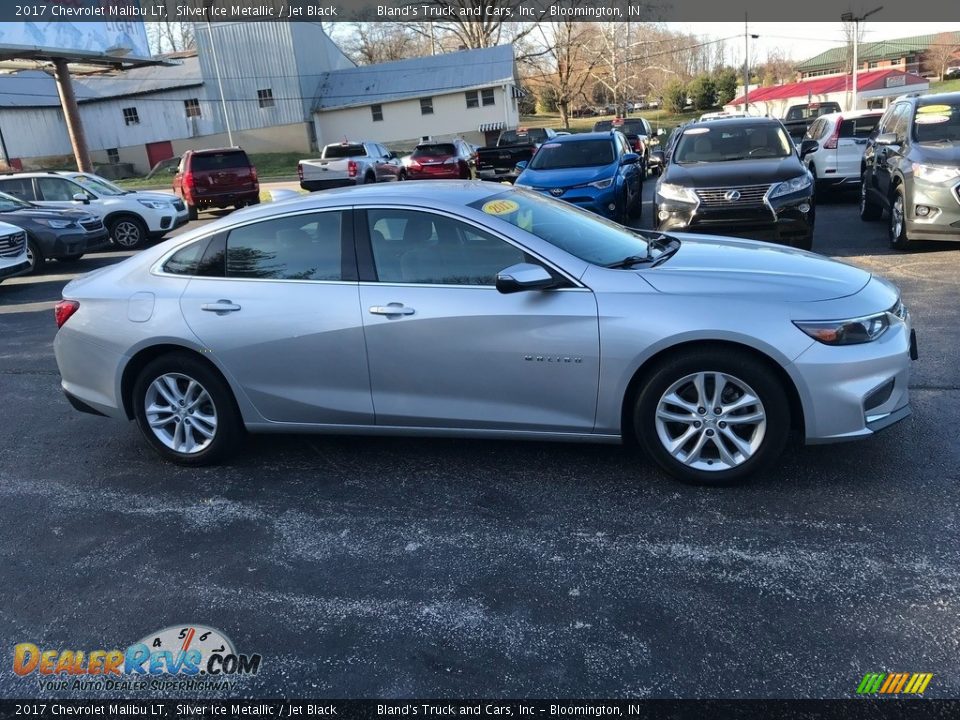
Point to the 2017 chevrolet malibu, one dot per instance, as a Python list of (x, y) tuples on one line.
[(460, 309)]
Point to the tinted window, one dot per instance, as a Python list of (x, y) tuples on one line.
[(937, 122), (602, 125), (332, 152), (18, 187), (52, 188), (219, 161), (300, 247), (519, 137), (440, 150), (185, 260), (859, 128), (576, 154), (415, 247), (732, 142)]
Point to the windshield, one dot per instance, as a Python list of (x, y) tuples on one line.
[(576, 154), (332, 152), (578, 232), (8, 203), (440, 150), (98, 185), (700, 144), (938, 122)]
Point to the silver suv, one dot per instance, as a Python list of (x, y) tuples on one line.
[(911, 168)]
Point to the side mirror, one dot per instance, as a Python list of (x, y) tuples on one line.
[(661, 131), (808, 146), (522, 165), (523, 276), (629, 159), (659, 156), (172, 169), (82, 198), (886, 139)]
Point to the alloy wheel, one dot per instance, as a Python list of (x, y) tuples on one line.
[(126, 234), (711, 421), (180, 413), (896, 218)]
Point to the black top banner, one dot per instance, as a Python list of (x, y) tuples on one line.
[(470, 10), (854, 709)]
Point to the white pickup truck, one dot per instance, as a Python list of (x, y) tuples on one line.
[(350, 163)]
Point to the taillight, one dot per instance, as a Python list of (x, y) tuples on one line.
[(64, 310), (833, 140), (253, 173), (352, 168), (414, 165), (300, 171), (188, 180)]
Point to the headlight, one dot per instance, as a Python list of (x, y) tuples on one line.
[(58, 224), (155, 204), (848, 332), (935, 173), (790, 186), (601, 184), (677, 192)]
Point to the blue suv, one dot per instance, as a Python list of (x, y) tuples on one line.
[(596, 171)]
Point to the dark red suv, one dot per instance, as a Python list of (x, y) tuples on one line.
[(451, 160), (216, 178)]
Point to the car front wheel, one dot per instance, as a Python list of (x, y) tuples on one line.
[(35, 257), (128, 232), (869, 209), (186, 411), (712, 416), (898, 221)]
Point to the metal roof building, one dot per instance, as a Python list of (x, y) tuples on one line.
[(903, 53)]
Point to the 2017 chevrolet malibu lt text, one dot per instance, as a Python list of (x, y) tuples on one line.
[(459, 309)]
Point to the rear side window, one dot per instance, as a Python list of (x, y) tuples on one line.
[(438, 150), (299, 247), (332, 152), (859, 128), (202, 162), (19, 187)]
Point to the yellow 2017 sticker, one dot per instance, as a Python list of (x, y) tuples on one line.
[(934, 110), (500, 207)]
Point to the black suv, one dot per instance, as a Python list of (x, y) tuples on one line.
[(911, 168), (739, 177)]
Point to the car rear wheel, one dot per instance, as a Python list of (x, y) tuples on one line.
[(35, 257), (128, 232), (192, 212), (712, 417), (898, 221), (869, 209), (186, 411)]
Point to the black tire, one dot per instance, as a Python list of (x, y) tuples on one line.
[(70, 258), (229, 430), (369, 179), (35, 256), (898, 208), (128, 232), (869, 209), (192, 212), (746, 369), (636, 210), (621, 213)]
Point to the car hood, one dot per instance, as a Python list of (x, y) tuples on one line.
[(734, 172), (937, 153), (564, 177), (151, 195), (728, 266), (45, 213)]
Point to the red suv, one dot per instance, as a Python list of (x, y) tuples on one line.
[(452, 160), (216, 178)]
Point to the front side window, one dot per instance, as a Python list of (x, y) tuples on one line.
[(52, 188), (426, 106), (416, 247), (130, 116), (298, 247)]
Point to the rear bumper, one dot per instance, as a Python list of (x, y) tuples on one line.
[(223, 199), (497, 174), (314, 185)]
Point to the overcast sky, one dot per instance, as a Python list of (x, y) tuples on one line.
[(803, 40)]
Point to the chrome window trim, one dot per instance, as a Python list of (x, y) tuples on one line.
[(474, 223)]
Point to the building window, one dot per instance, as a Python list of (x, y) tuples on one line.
[(130, 116), (265, 97), (377, 112), (426, 106), (192, 107), (473, 101), (486, 96), (875, 104), (873, 64), (113, 156)]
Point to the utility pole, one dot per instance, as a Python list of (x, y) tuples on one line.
[(856, 20), (223, 100), (71, 114), (746, 64)]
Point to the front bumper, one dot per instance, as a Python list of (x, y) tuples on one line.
[(602, 202), (788, 220), (943, 220), (9, 271), (67, 243)]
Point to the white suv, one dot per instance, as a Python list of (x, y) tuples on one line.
[(842, 137), (13, 251), (131, 216)]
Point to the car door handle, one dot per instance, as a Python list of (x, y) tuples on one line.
[(220, 307), (391, 309)]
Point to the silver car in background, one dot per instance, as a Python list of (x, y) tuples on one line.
[(489, 312)]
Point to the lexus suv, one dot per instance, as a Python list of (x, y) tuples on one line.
[(911, 168), (741, 177)]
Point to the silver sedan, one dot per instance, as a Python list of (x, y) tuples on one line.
[(471, 310)]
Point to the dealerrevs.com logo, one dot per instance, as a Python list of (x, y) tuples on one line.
[(894, 683), (190, 657)]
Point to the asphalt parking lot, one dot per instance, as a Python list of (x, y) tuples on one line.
[(361, 567)]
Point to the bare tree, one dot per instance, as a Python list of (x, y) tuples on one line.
[(472, 24), (377, 42), (165, 36), (778, 69), (565, 63), (944, 48), (851, 30)]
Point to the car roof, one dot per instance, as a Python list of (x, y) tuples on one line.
[(850, 114), (573, 137), (204, 151), (736, 122)]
